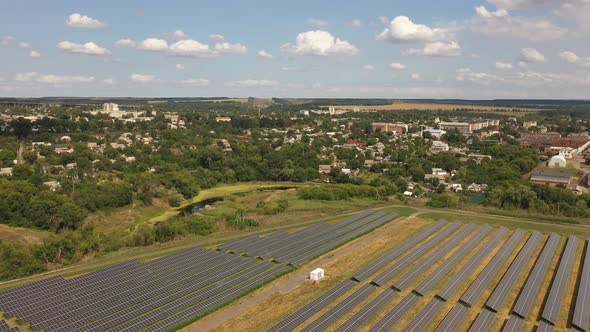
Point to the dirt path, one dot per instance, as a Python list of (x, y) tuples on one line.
[(287, 283)]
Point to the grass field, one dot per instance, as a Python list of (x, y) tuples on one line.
[(10, 234)]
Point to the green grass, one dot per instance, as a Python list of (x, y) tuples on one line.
[(512, 223)]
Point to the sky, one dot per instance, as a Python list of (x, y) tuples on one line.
[(467, 49)]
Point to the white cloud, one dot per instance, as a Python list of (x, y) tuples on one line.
[(196, 82), (415, 76), (191, 48), (153, 44), (466, 74), (264, 54), (7, 40), (317, 22), (217, 37), (126, 42), (503, 65), (89, 48), (82, 21), (320, 43), (531, 55), (402, 29), (24, 45), (288, 68), (34, 54), (179, 34), (226, 47), (501, 23), (436, 49), (179, 66), (25, 77), (573, 58), (396, 66), (251, 83), (520, 4), (369, 67), (356, 23), (109, 81), (143, 78), (60, 79)]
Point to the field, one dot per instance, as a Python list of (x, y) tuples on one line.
[(10, 234), (400, 106), (276, 306)]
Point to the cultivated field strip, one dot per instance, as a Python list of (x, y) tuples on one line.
[(167, 292), (557, 290), (525, 300), (416, 301), (582, 306)]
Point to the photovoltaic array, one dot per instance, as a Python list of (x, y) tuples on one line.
[(165, 293)]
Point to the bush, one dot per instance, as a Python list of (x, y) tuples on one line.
[(174, 200)]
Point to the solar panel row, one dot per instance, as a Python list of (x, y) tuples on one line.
[(506, 284), (453, 319), (557, 290), (458, 279), (397, 251), (514, 324), (544, 327), (310, 309), (582, 307), (411, 257), (344, 306), (422, 320), (396, 314), (525, 300), (483, 279), (430, 281), (368, 311), (483, 321), (426, 263)]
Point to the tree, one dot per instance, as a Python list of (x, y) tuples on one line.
[(21, 127)]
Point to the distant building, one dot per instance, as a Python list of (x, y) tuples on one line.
[(439, 146), (398, 128), (6, 171), (63, 148), (223, 119), (529, 124), (110, 107), (551, 178), (435, 132), (325, 169), (557, 161)]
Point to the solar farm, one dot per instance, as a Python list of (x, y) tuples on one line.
[(459, 277), (169, 292)]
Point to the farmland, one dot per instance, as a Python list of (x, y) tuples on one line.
[(399, 106)]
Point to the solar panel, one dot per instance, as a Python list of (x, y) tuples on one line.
[(368, 311), (557, 289), (453, 319), (396, 314), (483, 321), (422, 320), (582, 307), (514, 324)]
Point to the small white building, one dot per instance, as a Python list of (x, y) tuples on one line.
[(316, 274), (439, 146), (557, 161)]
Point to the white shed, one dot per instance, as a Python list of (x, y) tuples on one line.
[(316, 274)]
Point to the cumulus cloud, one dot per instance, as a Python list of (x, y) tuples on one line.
[(217, 37), (195, 82), (7, 40), (25, 77), (396, 66), (466, 74), (573, 58), (143, 78), (531, 55), (320, 43), (153, 44), (369, 67), (501, 23), (503, 65), (402, 29), (179, 34), (191, 48), (520, 4), (24, 45), (126, 42), (264, 54), (226, 47), (356, 23), (109, 81), (436, 49), (82, 21), (61, 79), (34, 54), (415, 76), (179, 66), (317, 22), (89, 48), (251, 83)]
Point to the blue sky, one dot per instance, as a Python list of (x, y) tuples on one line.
[(392, 49)]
